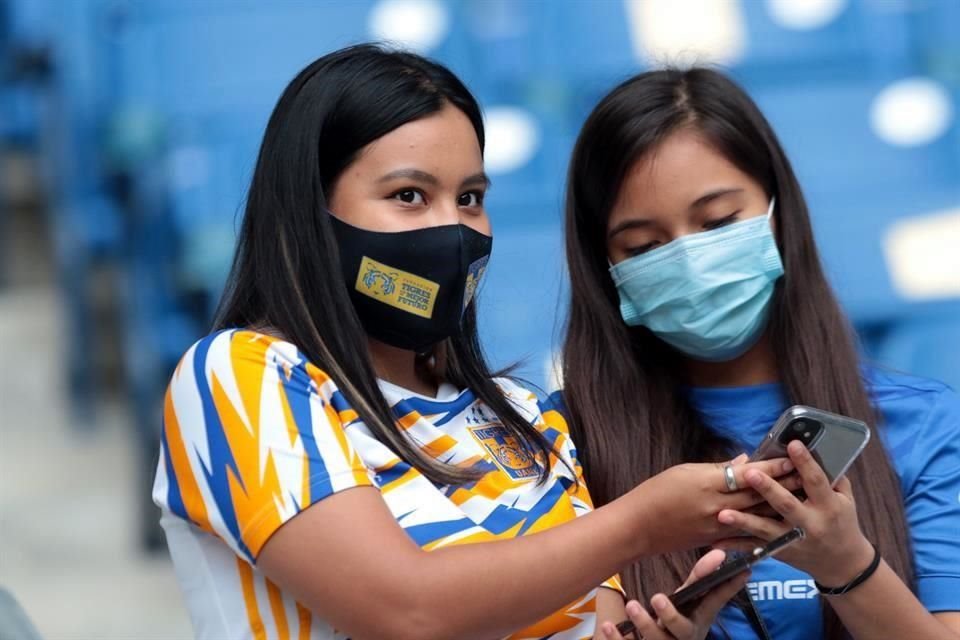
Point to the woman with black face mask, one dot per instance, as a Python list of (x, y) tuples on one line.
[(337, 459)]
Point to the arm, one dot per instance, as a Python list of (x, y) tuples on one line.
[(257, 455), (883, 607), (347, 558), (610, 608), (835, 551)]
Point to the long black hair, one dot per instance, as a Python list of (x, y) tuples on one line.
[(629, 416), (286, 272)]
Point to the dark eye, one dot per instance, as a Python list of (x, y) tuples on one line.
[(636, 251), (722, 222), (470, 199), (409, 196)]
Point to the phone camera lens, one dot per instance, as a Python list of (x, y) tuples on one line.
[(803, 429)]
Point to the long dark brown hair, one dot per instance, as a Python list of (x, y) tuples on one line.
[(286, 270), (622, 385)]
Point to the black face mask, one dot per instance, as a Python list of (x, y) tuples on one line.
[(410, 289)]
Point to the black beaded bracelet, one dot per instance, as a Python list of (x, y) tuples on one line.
[(856, 582)]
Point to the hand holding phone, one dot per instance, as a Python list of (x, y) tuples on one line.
[(835, 548), (686, 599)]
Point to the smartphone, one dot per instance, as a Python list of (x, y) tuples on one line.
[(835, 441), (686, 599)]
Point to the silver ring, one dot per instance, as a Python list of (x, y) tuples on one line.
[(730, 478)]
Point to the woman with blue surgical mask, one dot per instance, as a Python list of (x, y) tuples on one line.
[(699, 312)]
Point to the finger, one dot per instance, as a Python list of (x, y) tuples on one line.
[(675, 622), (715, 600), (647, 627), (791, 482), (763, 510), (745, 498), (764, 528), (706, 565), (609, 630), (843, 486), (740, 459), (784, 502), (815, 482), (773, 468), (742, 543)]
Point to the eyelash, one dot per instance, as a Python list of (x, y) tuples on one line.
[(722, 222), (709, 226), (642, 249), (396, 196), (478, 194)]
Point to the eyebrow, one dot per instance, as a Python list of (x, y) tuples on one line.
[(713, 195), (476, 180), (638, 223), (410, 174), (635, 223)]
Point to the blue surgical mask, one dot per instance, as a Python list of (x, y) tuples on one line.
[(707, 294)]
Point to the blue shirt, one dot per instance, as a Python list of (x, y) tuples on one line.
[(921, 430)]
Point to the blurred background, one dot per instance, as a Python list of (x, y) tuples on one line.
[(128, 132)]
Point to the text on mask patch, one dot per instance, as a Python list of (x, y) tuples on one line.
[(399, 289)]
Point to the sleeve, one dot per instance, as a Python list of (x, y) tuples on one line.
[(557, 430), (250, 439), (933, 506)]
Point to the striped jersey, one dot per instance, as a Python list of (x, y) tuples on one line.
[(253, 433)]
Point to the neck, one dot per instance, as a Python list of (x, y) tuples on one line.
[(756, 366), (399, 367)]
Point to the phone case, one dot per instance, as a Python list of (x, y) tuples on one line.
[(737, 564), (835, 448)]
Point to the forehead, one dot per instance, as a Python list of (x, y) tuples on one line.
[(675, 173), (443, 140)]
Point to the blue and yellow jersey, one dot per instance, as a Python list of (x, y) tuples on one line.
[(254, 433)]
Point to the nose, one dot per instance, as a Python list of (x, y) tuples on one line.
[(682, 229), (445, 212)]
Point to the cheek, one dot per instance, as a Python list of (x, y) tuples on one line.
[(351, 201), (616, 253), (480, 224), (372, 214)]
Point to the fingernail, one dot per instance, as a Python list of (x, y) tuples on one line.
[(753, 477), (607, 630), (633, 608), (659, 602), (726, 517), (797, 448), (788, 466)]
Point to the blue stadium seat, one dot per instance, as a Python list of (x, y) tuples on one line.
[(926, 346), (165, 101), (523, 292), (857, 185)]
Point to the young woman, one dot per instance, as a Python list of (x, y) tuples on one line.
[(337, 460), (700, 312)]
